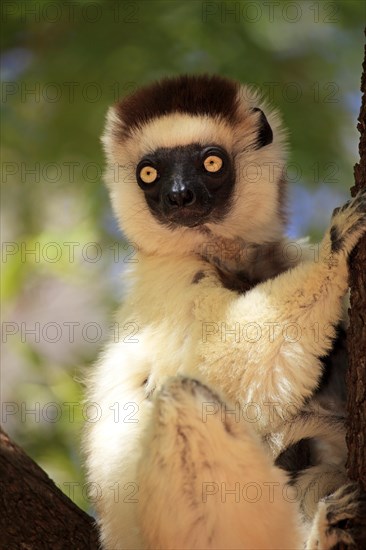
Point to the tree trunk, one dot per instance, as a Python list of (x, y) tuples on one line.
[(35, 514), (356, 429)]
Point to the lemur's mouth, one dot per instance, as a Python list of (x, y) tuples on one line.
[(189, 217)]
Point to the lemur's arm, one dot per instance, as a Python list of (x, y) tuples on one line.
[(279, 329)]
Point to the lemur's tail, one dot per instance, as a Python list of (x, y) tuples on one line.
[(206, 481)]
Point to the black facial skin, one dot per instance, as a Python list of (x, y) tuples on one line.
[(185, 193)]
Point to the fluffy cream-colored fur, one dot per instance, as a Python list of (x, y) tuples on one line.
[(159, 440)]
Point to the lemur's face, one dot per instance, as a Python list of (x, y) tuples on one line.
[(197, 159), (187, 185)]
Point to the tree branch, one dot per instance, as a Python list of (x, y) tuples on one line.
[(34, 512)]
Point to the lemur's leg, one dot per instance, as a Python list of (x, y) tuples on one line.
[(271, 356), (317, 465), (341, 518), (316, 483), (206, 481)]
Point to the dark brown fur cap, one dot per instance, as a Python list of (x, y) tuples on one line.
[(194, 95)]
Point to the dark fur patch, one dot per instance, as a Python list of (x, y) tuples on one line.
[(336, 239), (193, 386), (198, 277), (194, 95), (332, 389), (237, 282), (331, 514), (268, 260), (293, 478), (265, 134), (297, 457), (336, 211)]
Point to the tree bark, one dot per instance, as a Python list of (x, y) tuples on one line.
[(356, 428), (356, 338), (35, 514)]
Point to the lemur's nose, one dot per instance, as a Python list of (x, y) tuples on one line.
[(178, 198)]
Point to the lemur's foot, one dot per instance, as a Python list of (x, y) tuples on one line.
[(341, 518), (348, 225)]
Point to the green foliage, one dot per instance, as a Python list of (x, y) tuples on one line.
[(63, 64)]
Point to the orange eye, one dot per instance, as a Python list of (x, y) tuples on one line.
[(212, 163), (148, 174)]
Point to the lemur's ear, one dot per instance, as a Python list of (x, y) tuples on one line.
[(265, 134)]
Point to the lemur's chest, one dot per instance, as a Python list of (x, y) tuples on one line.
[(241, 266)]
